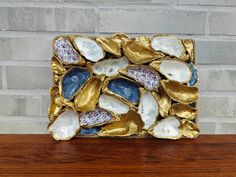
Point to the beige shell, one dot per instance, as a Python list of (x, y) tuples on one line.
[(148, 108), (110, 67), (65, 126), (89, 48), (112, 104), (169, 45), (168, 128)]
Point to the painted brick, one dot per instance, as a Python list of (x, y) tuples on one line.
[(207, 127), (152, 21), (223, 23), (21, 125), (212, 106), (25, 48), (48, 19), (216, 52), (45, 104), (28, 77), (217, 79), (19, 105), (209, 2), (226, 128), (0, 78)]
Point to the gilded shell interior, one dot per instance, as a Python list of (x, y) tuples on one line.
[(65, 126), (110, 67), (189, 129), (179, 92), (112, 104), (87, 98), (168, 44), (110, 45), (123, 86), (183, 111), (129, 124), (139, 54), (89, 48), (167, 128), (148, 109)]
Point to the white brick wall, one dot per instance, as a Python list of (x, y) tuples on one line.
[(28, 26)]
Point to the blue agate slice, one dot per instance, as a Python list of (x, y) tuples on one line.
[(89, 131), (125, 88), (73, 80), (194, 77)]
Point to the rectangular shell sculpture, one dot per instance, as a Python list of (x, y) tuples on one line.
[(118, 86)]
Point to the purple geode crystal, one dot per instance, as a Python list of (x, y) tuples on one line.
[(95, 117), (149, 78), (64, 51)]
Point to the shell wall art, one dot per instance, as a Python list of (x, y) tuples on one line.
[(121, 86)]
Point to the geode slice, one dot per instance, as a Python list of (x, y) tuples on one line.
[(125, 89), (144, 75), (194, 78), (89, 131), (73, 80), (95, 117)]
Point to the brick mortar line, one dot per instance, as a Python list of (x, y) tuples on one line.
[(121, 5), (51, 34), (217, 120)]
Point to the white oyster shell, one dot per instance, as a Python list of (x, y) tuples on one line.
[(167, 128), (175, 70), (148, 109), (169, 45), (112, 104), (65, 126), (110, 67), (90, 49)]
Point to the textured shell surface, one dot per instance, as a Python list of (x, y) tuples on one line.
[(145, 75), (89, 48), (65, 126), (65, 51), (112, 104), (169, 45), (94, 117), (110, 67)]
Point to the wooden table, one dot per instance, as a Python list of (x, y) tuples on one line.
[(40, 155)]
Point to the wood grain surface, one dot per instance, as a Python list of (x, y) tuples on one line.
[(40, 155)]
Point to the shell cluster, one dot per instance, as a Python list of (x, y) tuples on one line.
[(122, 86)]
